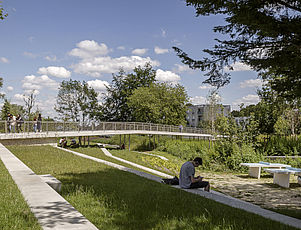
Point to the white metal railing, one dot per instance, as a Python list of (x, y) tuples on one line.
[(55, 126)]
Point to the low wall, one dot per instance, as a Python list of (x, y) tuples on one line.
[(30, 141)]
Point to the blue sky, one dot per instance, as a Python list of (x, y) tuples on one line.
[(45, 42)]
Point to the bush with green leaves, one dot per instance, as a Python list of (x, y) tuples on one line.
[(277, 145)]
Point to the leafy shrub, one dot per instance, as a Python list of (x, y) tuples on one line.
[(277, 145)]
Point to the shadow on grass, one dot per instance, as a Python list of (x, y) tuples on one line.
[(113, 199)]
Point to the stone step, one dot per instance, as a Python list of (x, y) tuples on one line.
[(52, 182)]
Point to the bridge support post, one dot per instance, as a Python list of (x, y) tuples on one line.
[(129, 142), (154, 142), (149, 142)]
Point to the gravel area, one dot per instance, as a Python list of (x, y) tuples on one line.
[(261, 191)]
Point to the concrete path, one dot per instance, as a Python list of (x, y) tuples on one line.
[(153, 155), (213, 195), (51, 210), (120, 167), (107, 153)]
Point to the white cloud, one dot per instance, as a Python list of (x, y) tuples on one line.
[(250, 99), (19, 98), (4, 60), (139, 51), (55, 71), (98, 65), (159, 50), (98, 85), (251, 83), (94, 60), (31, 38), (239, 66), (32, 82), (163, 33), (47, 106), (121, 48), (197, 100), (206, 87), (10, 88), (176, 42), (182, 68), (167, 76), (51, 58), (30, 55), (89, 49)]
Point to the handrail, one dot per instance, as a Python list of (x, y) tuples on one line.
[(50, 126)]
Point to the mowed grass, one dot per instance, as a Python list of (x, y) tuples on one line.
[(14, 211), (113, 199), (95, 151), (171, 167)]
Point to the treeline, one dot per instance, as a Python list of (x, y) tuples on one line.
[(135, 96)]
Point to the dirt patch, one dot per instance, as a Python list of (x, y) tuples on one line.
[(257, 191)]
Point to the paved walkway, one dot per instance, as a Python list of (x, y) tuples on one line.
[(107, 153), (51, 210)]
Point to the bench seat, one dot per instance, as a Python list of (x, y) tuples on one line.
[(255, 168), (282, 176)]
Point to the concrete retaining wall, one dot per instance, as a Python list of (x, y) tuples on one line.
[(29, 141)]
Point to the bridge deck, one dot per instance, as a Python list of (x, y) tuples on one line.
[(51, 134)]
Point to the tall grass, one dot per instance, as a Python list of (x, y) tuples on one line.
[(114, 199)]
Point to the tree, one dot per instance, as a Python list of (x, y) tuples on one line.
[(2, 13), (14, 109), (5, 109), (76, 101), (159, 103), (262, 34), (288, 122), (214, 105), (115, 107), (30, 101)]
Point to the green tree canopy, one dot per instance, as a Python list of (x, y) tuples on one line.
[(115, 106), (263, 34), (14, 109), (2, 13), (77, 101), (159, 103)]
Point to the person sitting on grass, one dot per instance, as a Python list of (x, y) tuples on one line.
[(187, 178), (63, 142), (73, 144)]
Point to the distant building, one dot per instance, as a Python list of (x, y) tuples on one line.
[(197, 113), (242, 121)]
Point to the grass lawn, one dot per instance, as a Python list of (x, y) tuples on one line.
[(96, 152), (172, 166), (14, 211), (113, 199)]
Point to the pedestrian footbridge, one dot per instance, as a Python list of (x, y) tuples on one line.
[(53, 130)]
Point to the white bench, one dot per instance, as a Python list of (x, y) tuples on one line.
[(255, 168), (282, 176)]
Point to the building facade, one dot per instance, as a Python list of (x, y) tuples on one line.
[(198, 113)]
